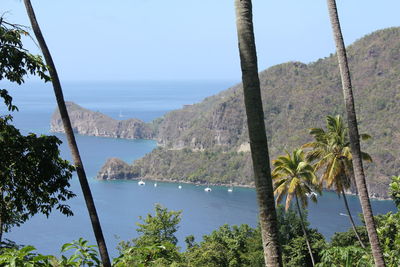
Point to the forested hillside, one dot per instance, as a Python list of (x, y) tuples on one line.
[(211, 136)]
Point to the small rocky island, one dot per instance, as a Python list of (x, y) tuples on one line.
[(115, 169), (87, 122)]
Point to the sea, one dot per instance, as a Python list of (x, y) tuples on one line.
[(121, 203)]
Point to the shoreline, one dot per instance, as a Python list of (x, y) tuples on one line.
[(224, 185)]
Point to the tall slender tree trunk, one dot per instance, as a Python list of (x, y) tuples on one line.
[(257, 133), (70, 137), (351, 219), (1, 216), (1, 229), (303, 227), (354, 135)]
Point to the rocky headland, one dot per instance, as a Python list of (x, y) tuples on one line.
[(87, 122)]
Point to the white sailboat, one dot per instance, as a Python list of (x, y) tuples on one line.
[(230, 189), (141, 183)]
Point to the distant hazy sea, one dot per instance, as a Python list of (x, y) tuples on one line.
[(119, 203)]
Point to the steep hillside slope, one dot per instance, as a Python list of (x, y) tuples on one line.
[(296, 97)]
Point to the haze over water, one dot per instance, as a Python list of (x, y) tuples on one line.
[(119, 203)]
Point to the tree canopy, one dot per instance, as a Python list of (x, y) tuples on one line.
[(33, 176)]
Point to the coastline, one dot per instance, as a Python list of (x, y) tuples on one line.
[(152, 179)]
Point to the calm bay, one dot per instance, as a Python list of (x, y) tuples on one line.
[(120, 203)]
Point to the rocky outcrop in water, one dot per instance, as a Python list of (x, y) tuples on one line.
[(87, 122), (115, 169)]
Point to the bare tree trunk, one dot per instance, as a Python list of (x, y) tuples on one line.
[(351, 219), (354, 135), (303, 227), (257, 133), (70, 137)]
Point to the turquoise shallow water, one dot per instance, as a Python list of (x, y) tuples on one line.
[(120, 203)]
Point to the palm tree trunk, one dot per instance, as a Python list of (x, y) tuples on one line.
[(70, 137), (305, 232), (351, 219), (257, 133), (354, 136)]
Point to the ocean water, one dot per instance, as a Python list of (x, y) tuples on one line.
[(120, 203)]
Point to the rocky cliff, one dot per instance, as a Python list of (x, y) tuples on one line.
[(88, 122)]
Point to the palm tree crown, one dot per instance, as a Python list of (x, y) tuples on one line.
[(294, 176), (331, 150)]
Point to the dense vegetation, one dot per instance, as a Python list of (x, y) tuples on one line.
[(230, 246), (33, 177)]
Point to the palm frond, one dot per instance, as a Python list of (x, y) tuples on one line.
[(315, 154), (294, 184), (288, 200), (346, 152)]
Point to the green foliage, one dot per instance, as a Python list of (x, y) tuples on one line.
[(34, 179), (159, 228), (228, 246), (351, 256), (388, 228), (295, 252), (84, 254), (15, 61), (394, 190), (24, 257), (242, 245), (349, 238), (294, 248), (164, 254), (157, 241), (289, 224)]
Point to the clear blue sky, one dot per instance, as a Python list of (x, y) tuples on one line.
[(187, 39)]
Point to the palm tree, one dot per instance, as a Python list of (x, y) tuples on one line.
[(257, 133), (354, 136), (331, 149), (294, 177), (70, 137)]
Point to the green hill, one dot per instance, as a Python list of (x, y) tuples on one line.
[(207, 142)]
